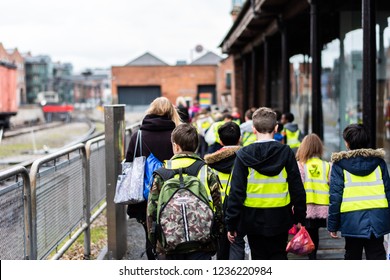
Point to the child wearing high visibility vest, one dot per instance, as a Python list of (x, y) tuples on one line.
[(246, 128), (292, 134), (315, 177), (212, 136), (360, 196), (184, 140), (265, 186), (222, 164)]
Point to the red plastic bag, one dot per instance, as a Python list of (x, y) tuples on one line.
[(301, 243), (293, 230)]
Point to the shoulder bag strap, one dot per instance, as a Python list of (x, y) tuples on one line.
[(139, 139)]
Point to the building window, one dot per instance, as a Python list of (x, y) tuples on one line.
[(228, 80)]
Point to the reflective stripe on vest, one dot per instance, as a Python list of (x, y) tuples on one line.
[(185, 162), (223, 178), (267, 192), (293, 138), (316, 181), (363, 192)]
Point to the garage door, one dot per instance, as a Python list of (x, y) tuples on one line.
[(208, 89), (138, 98)]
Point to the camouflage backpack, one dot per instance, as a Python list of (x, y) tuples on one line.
[(185, 218)]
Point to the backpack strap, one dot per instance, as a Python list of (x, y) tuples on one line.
[(193, 170), (164, 173)]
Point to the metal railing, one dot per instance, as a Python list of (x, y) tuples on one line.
[(15, 218), (53, 203)]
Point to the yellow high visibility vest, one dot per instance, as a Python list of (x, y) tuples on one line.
[(205, 125), (216, 127), (225, 183), (316, 181), (202, 175), (292, 138), (267, 192), (363, 192), (237, 121), (248, 138)]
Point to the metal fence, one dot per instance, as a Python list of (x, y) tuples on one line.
[(15, 218), (53, 203)]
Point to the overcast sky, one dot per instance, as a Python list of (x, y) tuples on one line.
[(103, 33)]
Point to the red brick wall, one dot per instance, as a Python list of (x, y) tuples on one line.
[(174, 81), (238, 73), (226, 66), (18, 60)]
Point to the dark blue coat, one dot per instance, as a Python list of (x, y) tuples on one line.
[(360, 223)]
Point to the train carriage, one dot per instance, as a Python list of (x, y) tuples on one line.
[(8, 98), (52, 108)]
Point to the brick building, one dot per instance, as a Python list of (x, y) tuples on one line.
[(12, 56), (140, 81)]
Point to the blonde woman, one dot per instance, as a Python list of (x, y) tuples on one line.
[(315, 177), (160, 120)]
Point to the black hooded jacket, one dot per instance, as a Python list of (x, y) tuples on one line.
[(268, 158), (156, 138)]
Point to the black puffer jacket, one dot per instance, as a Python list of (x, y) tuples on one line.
[(268, 158)]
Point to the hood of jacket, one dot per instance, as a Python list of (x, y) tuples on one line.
[(187, 155), (223, 159), (268, 158), (246, 126), (361, 162), (291, 126), (157, 123)]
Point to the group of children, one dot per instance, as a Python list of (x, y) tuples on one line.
[(262, 189)]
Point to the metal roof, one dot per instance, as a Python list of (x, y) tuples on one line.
[(147, 59), (209, 58)]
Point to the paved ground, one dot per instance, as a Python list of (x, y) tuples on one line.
[(135, 241), (329, 248)]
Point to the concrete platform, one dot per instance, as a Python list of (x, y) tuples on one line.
[(329, 248)]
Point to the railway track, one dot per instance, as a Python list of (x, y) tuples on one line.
[(27, 129), (29, 143)]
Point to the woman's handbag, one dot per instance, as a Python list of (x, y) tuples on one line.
[(301, 243), (130, 185)]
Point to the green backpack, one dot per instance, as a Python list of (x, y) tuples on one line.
[(185, 219)]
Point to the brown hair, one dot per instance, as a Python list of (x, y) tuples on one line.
[(356, 136), (311, 146), (186, 136), (161, 106), (249, 113), (264, 120)]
